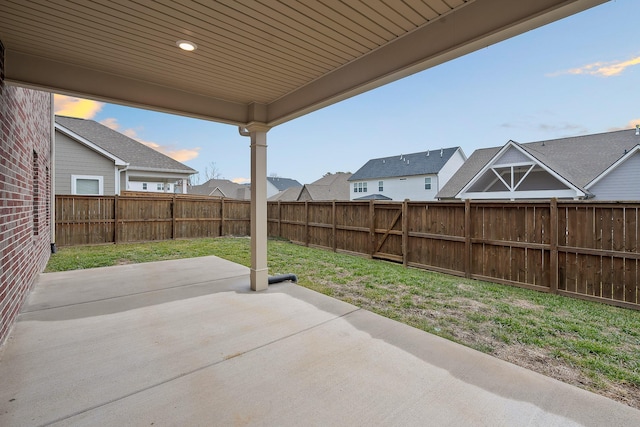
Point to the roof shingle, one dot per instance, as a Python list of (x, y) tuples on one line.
[(422, 163), (131, 151)]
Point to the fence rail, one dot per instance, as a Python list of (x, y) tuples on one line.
[(580, 249)]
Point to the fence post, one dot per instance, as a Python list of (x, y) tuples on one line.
[(173, 217), (553, 237), (372, 227), (115, 219), (334, 243), (279, 220), (467, 238), (405, 232), (306, 223), (222, 217)]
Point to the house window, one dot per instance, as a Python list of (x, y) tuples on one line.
[(87, 185), (355, 187), (427, 183), (160, 187), (144, 185), (380, 185), (362, 187)]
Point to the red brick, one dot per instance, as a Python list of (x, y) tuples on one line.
[(25, 118)]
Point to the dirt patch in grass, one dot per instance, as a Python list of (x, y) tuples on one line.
[(526, 304), (538, 360)]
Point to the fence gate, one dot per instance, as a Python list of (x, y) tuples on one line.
[(386, 231)]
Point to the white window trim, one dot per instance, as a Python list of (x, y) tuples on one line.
[(100, 180), (430, 183)]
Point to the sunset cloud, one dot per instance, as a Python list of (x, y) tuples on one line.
[(179, 154), (241, 180), (76, 107), (631, 124), (601, 69)]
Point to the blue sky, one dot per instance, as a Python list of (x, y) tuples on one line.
[(577, 76)]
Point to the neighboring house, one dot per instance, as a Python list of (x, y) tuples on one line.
[(26, 202), (222, 188), (276, 184), (291, 194), (603, 166), (416, 176), (94, 159), (332, 186)]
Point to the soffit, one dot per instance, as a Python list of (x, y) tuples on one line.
[(266, 61)]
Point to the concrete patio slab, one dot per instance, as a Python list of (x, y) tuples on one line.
[(186, 342)]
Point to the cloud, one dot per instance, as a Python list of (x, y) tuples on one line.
[(179, 154), (601, 69), (561, 127), (241, 180), (547, 127), (111, 123), (76, 107), (630, 125)]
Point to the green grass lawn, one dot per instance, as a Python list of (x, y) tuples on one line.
[(591, 345)]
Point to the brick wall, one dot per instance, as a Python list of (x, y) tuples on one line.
[(25, 237)]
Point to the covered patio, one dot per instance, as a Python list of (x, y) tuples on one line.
[(186, 342), (254, 65)]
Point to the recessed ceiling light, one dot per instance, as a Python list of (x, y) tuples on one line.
[(186, 45)]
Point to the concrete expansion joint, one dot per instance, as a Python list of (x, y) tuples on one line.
[(205, 282)]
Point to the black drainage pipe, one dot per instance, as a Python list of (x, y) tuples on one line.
[(283, 278)]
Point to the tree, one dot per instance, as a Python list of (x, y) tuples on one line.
[(211, 171)]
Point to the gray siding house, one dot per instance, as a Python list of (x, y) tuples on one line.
[(604, 166), (93, 159), (81, 169)]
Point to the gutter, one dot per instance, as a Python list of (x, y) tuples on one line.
[(52, 177)]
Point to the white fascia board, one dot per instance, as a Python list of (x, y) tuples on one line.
[(220, 190), (464, 156), (525, 195), (611, 168), (161, 170), (118, 161)]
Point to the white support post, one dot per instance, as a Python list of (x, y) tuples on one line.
[(259, 270)]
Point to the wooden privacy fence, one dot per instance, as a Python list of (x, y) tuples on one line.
[(87, 220), (581, 249)]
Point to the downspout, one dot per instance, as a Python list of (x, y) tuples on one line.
[(52, 177)]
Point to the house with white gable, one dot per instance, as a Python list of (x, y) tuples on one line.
[(604, 166), (415, 176)]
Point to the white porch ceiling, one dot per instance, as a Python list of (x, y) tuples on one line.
[(264, 61)]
